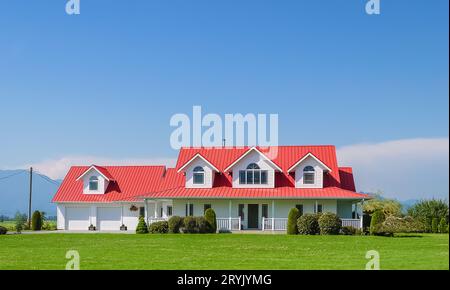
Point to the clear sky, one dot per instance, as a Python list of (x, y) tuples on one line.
[(105, 83)]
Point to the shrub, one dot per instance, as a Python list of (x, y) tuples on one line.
[(201, 225), (20, 220), (210, 217), (142, 226), (3, 230), (348, 231), (443, 226), (308, 224), (394, 224), (293, 216), (376, 222), (49, 226), (36, 221), (329, 224), (190, 225), (175, 224), (161, 227), (435, 225)]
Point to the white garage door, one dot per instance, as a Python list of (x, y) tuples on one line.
[(77, 218), (108, 218)]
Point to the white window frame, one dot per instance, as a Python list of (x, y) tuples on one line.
[(198, 173), (309, 172), (93, 180)]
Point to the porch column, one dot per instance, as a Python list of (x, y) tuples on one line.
[(156, 208), (361, 217), (273, 215), (146, 210), (315, 207), (229, 214)]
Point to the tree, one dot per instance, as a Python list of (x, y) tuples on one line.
[(388, 206), (142, 226), (210, 217), (435, 226), (429, 209), (36, 221), (20, 219), (443, 226), (376, 222), (293, 216)]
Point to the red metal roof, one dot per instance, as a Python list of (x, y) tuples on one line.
[(131, 183)]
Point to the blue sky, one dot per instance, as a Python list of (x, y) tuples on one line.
[(105, 83)]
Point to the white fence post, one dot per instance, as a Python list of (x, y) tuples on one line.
[(273, 224), (263, 222)]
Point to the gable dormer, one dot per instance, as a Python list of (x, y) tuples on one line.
[(253, 170), (199, 172), (95, 180), (309, 171)]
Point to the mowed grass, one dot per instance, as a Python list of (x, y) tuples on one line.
[(221, 251)]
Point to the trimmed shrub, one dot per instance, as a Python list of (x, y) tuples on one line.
[(293, 216), (394, 224), (175, 224), (443, 226), (329, 224), (142, 226), (49, 226), (190, 225), (210, 217), (376, 222), (348, 231), (308, 224), (3, 230), (202, 226), (36, 221), (435, 225), (161, 227)]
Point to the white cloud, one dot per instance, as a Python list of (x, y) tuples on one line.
[(57, 168), (402, 169)]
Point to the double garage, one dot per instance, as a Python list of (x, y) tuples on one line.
[(104, 218)]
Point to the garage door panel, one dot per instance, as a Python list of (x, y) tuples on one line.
[(109, 218), (77, 218)]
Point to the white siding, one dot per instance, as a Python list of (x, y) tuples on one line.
[(209, 174), (253, 157), (102, 183), (318, 170)]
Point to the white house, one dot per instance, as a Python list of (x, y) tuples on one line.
[(249, 188)]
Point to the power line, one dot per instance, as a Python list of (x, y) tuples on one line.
[(47, 179), (14, 174)]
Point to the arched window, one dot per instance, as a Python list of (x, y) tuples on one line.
[(253, 175), (308, 175), (199, 175), (93, 183)]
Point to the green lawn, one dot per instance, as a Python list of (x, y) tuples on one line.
[(221, 251)]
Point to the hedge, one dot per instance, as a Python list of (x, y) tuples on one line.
[(443, 226), (293, 216), (308, 224), (329, 224), (161, 227), (435, 225), (142, 226), (175, 224), (3, 230)]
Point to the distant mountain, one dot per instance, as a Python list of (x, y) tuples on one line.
[(14, 192)]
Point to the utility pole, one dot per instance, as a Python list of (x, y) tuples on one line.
[(29, 201)]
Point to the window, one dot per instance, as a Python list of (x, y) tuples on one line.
[(189, 209), (199, 175), (253, 175), (93, 183), (241, 211), (300, 208), (161, 212), (169, 210), (319, 208), (205, 207), (308, 175), (265, 210), (142, 211)]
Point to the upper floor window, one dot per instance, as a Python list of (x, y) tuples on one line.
[(199, 175), (308, 175), (253, 175), (93, 183)]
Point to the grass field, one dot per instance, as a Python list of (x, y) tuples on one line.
[(221, 251)]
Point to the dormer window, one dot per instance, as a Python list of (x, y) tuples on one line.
[(253, 175), (309, 175), (93, 183), (199, 175)]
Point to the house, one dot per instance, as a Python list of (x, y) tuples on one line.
[(248, 187)]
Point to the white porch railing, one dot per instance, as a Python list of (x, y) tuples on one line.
[(274, 224), (151, 220), (280, 224), (356, 223), (230, 224)]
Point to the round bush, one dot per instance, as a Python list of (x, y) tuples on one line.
[(142, 226), (36, 221), (3, 230), (210, 217), (293, 216), (175, 224), (329, 224), (190, 225), (376, 222), (161, 227), (308, 224)]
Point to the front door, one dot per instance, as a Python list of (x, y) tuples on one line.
[(252, 216)]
